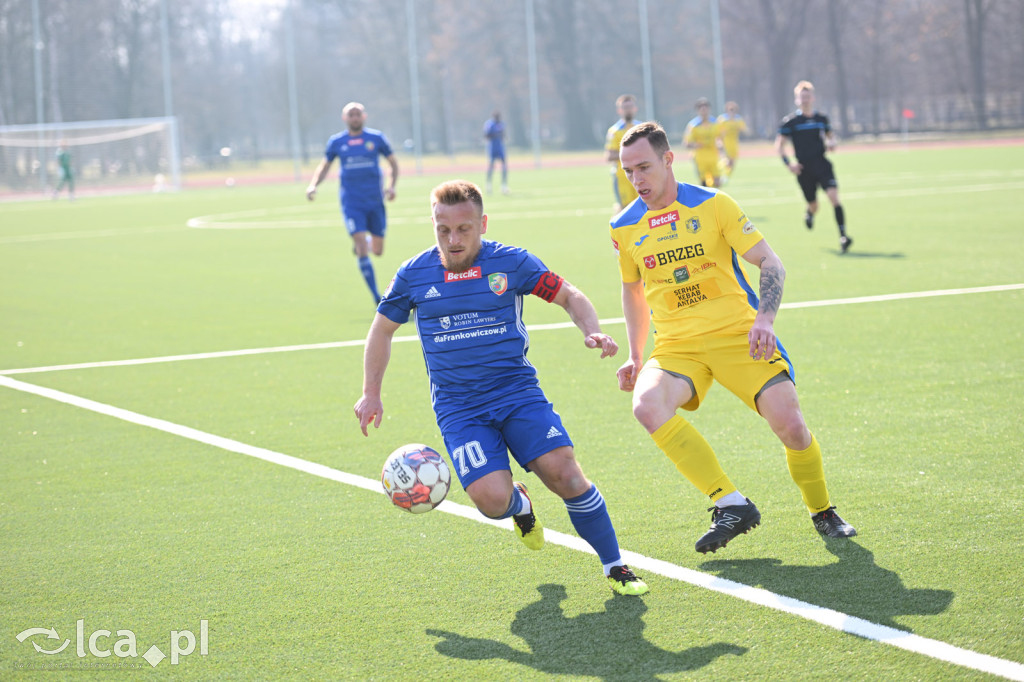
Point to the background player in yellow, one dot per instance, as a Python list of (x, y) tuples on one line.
[(702, 136), (731, 125), (625, 105), (678, 250)]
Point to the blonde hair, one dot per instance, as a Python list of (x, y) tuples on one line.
[(456, 192), (801, 86)]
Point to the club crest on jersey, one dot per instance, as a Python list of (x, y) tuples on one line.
[(650, 262), (445, 322), (498, 282), (693, 225), (663, 219), (681, 274), (472, 273), (369, 146)]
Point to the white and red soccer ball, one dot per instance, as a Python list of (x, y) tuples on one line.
[(416, 478)]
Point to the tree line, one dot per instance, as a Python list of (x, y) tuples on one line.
[(955, 63)]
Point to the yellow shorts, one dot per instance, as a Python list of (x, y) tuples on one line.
[(732, 149), (707, 167), (723, 358)]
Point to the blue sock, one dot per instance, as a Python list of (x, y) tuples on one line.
[(366, 267), (589, 516), (515, 505)]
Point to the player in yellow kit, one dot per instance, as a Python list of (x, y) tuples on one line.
[(702, 136), (730, 126), (678, 250), (626, 107)]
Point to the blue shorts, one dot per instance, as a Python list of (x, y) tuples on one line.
[(479, 442), (496, 153), (370, 219)]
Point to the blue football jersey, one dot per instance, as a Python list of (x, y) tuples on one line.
[(361, 182), (470, 323), (494, 131)]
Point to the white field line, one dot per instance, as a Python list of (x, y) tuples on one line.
[(228, 221), (91, 234), (532, 327), (755, 595)]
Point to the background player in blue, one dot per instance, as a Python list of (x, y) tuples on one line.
[(361, 188), (811, 134), (494, 132), (467, 294)]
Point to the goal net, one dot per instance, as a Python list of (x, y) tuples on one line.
[(124, 155)]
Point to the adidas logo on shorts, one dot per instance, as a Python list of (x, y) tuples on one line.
[(552, 432)]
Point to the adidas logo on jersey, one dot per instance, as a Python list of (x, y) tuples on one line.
[(552, 432), (432, 292)]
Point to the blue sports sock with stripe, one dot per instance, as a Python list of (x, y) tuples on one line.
[(589, 516), (366, 267)]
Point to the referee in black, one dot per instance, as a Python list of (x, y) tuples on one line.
[(811, 134)]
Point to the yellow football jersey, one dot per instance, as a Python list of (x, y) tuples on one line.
[(687, 256), (730, 127), (704, 135), (624, 191), (613, 140)]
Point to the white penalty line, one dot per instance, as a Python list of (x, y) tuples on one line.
[(532, 327), (754, 595)]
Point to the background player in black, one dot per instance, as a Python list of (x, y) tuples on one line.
[(811, 134)]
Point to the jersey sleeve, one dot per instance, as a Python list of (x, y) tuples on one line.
[(784, 129), (737, 229), (611, 142), (331, 151), (397, 304), (628, 269), (536, 279), (385, 147), (826, 126)]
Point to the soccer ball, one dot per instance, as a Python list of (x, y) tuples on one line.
[(416, 478)]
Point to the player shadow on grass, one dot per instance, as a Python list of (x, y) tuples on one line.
[(607, 644), (854, 253), (855, 585)]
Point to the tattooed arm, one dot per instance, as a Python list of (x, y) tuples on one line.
[(762, 333)]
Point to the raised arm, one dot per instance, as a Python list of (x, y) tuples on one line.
[(318, 176), (638, 323), (762, 332), (375, 361), (584, 315)]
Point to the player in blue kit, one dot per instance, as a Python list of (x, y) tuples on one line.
[(467, 294), (361, 188), (494, 133)]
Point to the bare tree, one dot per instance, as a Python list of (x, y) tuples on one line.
[(558, 25)]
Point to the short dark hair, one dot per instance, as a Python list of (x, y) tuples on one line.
[(654, 133), (456, 192)]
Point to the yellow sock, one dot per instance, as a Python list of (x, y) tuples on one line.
[(808, 472), (694, 458)]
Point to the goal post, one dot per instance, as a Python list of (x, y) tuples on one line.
[(121, 155)]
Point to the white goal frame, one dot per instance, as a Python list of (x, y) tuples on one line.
[(48, 136)]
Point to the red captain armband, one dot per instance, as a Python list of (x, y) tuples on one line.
[(548, 286)]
